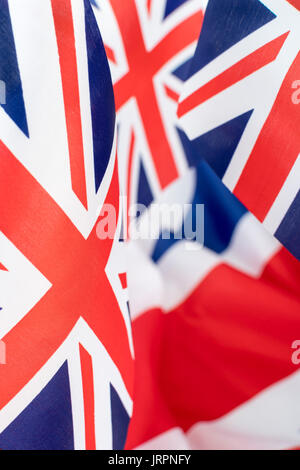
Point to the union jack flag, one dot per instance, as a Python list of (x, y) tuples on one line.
[(149, 44), (67, 381), (241, 104), (214, 326)]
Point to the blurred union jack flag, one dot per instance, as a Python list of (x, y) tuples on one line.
[(149, 45), (212, 328), (67, 379), (239, 101)]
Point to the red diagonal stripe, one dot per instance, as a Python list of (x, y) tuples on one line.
[(63, 21), (295, 3), (250, 64), (123, 279), (171, 94), (88, 398), (180, 37), (2, 268), (110, 54)]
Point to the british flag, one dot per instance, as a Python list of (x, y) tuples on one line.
[(67, 380), (241, 104), (149, 44)]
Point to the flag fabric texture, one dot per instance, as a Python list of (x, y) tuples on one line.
[(155, 343), (65, 328)]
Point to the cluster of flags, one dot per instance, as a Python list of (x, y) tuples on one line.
[(157, 342)]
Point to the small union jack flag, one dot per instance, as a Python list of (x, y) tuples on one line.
[(239, 105), (149, 44)]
